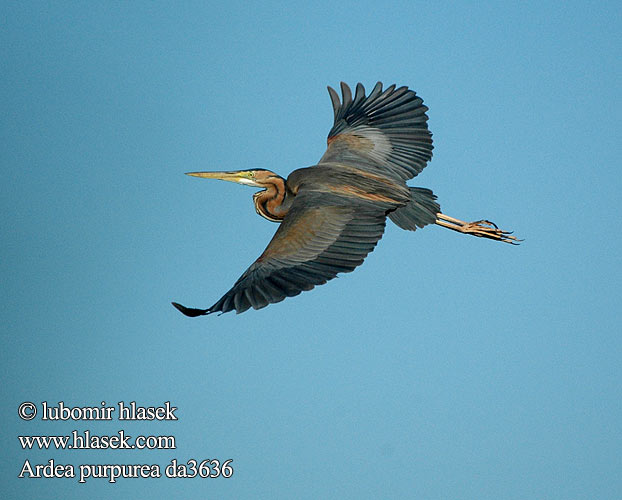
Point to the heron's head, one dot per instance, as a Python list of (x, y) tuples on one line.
[(253, 177)]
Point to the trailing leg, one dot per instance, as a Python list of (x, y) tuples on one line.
[(480, 228)]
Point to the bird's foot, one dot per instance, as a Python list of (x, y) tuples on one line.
[(480, 228)]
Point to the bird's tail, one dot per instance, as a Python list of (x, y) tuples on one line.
[(420, 211)]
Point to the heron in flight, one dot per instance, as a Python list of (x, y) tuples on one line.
[(332, 214)]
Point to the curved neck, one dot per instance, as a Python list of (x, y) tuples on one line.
[(270, 202)]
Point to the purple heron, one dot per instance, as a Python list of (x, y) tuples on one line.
[(332, 214)]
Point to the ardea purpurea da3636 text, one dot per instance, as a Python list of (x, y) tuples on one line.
[(332, 214)]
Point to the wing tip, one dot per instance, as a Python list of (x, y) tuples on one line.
[(190, 311), (334, 99), (346, 93)]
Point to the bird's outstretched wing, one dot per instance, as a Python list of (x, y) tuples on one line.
[(385, 132), (319, 237)]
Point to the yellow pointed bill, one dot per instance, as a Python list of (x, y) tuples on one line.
[(240, 176)]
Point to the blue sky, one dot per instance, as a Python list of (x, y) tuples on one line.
[(444, 367)]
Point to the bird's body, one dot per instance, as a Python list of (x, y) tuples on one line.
[(332, 214)]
